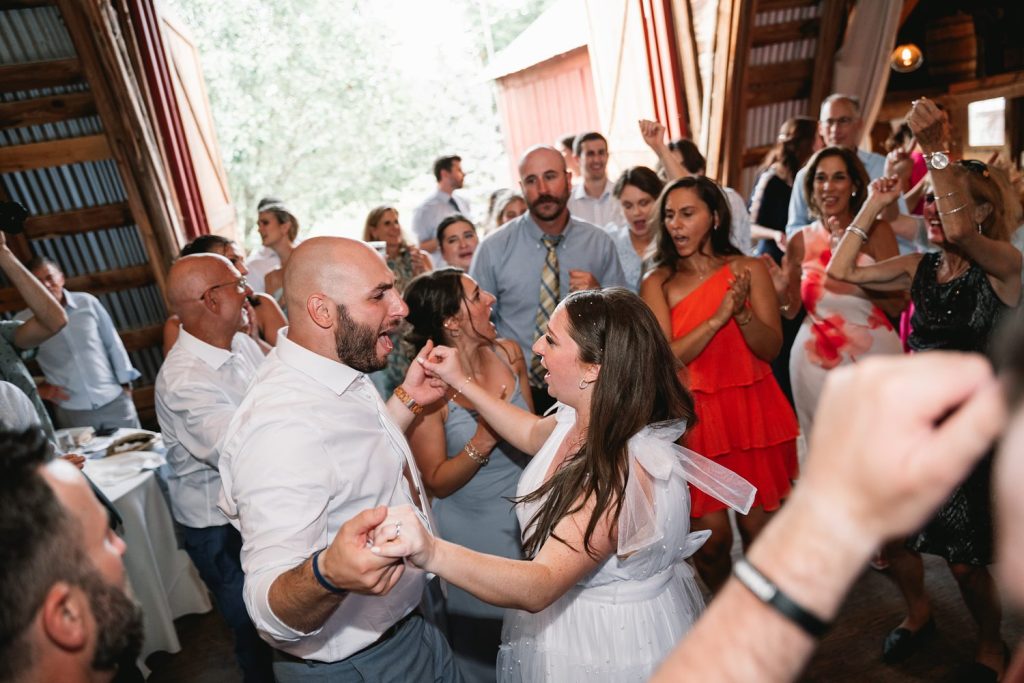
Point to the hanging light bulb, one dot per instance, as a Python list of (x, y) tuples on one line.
[(906, 58)]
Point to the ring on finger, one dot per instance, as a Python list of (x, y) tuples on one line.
[(398, 529)]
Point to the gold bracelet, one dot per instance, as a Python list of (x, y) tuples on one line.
[(407, 400), (475, 455), (459, 390)]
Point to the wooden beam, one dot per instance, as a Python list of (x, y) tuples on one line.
[(770, 74), (753, 155), (79, 220), (769, 34), (96, 283), (24, 4), (693, 89), (907, 10), (143, 337), (33, 75), (53, 153), (833, 22), (769, 5), (46, 109), (99, 41), (783, 91)]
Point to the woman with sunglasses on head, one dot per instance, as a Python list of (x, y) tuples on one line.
[(263, 316), (959, 294)]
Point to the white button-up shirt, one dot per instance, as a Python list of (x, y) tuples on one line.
[(197, 391), (310, 447), (602, 211), (87, 357)]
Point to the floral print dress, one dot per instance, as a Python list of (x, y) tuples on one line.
[(842, 325)]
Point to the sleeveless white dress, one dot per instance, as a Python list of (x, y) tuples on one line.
[(620, 622)]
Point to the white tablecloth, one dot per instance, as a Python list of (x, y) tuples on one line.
[(163, 578)]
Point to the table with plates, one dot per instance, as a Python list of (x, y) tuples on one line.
[(162, 577)]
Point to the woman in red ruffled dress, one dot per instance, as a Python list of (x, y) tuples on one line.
[(720, 312), (844, 322)]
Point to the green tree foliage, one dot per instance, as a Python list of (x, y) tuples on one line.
[(339, 105)]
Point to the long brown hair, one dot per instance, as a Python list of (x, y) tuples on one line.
[(638, 385), (712, 194)]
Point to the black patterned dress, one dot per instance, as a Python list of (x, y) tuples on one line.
[(959, 315)]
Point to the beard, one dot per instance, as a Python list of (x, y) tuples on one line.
[(548, 213), (118, 624), (357, 343)]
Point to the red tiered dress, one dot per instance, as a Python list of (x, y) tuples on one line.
[(744, 421)]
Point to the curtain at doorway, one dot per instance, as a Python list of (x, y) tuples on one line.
[(862, 64)]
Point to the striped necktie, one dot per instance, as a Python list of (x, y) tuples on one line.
[(549, 291)]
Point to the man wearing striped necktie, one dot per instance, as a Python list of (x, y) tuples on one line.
[(535, 260)]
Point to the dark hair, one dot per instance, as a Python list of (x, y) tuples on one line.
[(38, 261), (432, 298), (445, 164), (693, 160), (449, 220), (854, 168), (794, 146), (568, 141), (204, 244), (899, 137), (712, 195), (38, 544), (281, 213), (640, 177), (588, 136), (638, 385)]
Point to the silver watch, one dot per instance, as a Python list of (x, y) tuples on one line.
[(937, 161)]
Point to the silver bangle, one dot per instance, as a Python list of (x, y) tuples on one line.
[(858, 232), (952, 211), (475, 455)]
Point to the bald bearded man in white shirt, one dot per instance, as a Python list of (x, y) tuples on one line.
[(311, 445)]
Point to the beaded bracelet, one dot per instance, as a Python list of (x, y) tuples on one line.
[(459, 390)]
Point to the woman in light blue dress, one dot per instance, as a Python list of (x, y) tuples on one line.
[(466, 467)]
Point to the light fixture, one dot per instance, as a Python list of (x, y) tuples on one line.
[(906, 58)]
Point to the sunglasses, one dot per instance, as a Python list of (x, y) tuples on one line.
[(975, 166)]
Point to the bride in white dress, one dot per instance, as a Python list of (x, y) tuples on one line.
[(604, 503)]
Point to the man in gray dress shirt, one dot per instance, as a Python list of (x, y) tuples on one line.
[(510, 262), (439, 205)]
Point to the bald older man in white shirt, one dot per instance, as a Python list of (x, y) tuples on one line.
[(311, 445), (199, 386)]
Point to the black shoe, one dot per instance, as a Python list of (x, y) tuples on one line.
[(902, 642)]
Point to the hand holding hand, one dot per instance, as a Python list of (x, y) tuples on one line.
[(423, 387), (893, 436), (444, 364), (348, 563), (402, 536), (653, 133), (580, 280), (52, 392)]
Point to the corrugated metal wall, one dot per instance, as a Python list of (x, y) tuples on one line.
[(38, 34)]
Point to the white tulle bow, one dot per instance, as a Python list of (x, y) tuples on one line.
[(653, 449)]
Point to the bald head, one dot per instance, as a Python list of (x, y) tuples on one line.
[(541, 152), (203, 291), (190, 276), (331, 266)]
